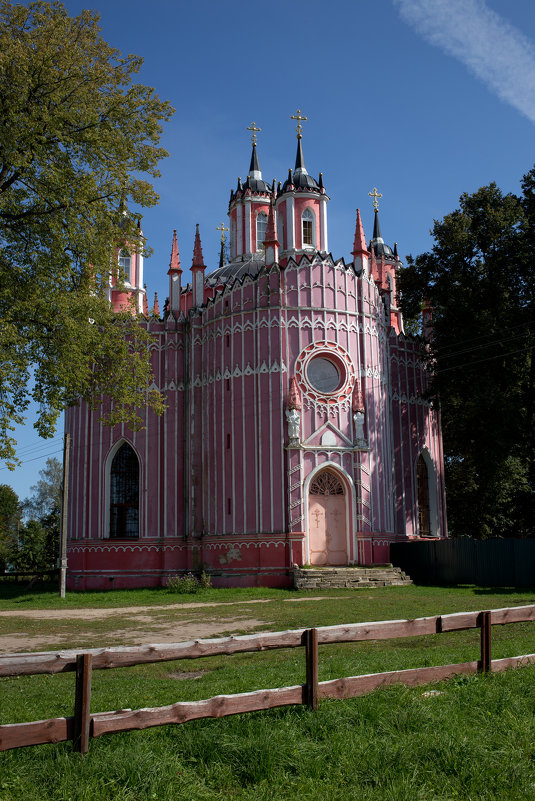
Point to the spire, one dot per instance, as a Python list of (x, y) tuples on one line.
[(396, 251), (254, 167), (175, 277), (359, 243), (377, 228), (197, 250), (360, 252), (174, 264), (294, 396), (197, 271), (271, 243), (156, 307), (300, 159)]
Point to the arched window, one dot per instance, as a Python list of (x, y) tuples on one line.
[(261, 226), (424, 510), (326, 483), (124, 494), (307, 224), (125, 265)]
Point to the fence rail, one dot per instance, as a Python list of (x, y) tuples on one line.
[(84, 725)]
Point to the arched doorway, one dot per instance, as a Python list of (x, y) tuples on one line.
[(327, 520)]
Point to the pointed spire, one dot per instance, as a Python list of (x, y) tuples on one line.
[(396, 251), (299, 158), (254, 167), (197, 271), (222, 254), (357, 402), (271, 243), (271, 234), (294, 395), (156, 307), (197, 250), (145, 302), (377, 227), (359, 243), (174, 264)]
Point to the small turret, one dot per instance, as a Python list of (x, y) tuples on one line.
[(271, 243), (175, 277), (360, 252), (197, 270)]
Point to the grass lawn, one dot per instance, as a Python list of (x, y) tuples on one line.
[(475, 740)]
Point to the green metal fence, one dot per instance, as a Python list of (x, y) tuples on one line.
[(488, 563)]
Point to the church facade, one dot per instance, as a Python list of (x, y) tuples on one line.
[(296, 428)]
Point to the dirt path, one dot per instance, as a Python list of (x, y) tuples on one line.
[(152, 629), (95, 613)]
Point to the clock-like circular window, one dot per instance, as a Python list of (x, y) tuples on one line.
[(323, 374)]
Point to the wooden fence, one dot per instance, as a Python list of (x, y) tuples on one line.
[(84, 724)]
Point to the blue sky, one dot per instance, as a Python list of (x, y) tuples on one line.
[(424, 99)]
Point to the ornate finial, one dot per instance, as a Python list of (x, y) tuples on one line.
[(375, 194), (254, 129), (222, 228), (298, 116)]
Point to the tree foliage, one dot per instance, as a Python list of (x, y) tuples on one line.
[(77, 135), (10, 517), (479, 279)]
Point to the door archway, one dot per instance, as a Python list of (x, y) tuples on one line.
[(327, 520)]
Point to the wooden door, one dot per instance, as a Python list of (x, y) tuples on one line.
[(327, 520)]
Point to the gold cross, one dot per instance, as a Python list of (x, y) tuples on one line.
[(222, 228), (375, 194), (298, 116), (254, 129)]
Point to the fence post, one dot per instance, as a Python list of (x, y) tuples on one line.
[(82, 703), (311, 655), (485, 663)]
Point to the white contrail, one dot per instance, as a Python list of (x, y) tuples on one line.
[(493, 49)]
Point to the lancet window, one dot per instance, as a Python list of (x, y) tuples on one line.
[(124, 494), (307, 222), (424, 511), (125, 265), (261, 227)]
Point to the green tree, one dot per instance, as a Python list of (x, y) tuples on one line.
[(44, 508), (29, 552), (479, 280), (10, 516), (77, 135)]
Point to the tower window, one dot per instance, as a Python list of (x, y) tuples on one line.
[(125, 265), (261, 227), (124, 494), (307, 222)]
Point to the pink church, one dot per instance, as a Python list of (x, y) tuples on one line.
[(296, 431)]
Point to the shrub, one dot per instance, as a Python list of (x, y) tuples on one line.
[(188, 583)]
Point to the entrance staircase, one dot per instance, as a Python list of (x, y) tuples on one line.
[(323, 578)]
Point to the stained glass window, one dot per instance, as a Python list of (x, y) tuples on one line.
[(124, 494), (323, 374)]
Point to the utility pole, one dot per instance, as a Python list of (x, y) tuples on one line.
[(63, 532)]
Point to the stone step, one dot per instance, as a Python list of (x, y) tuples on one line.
[(346, 577)]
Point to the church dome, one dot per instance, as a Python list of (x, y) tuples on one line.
[(237, 269)]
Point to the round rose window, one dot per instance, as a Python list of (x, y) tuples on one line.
[(323, 375)]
